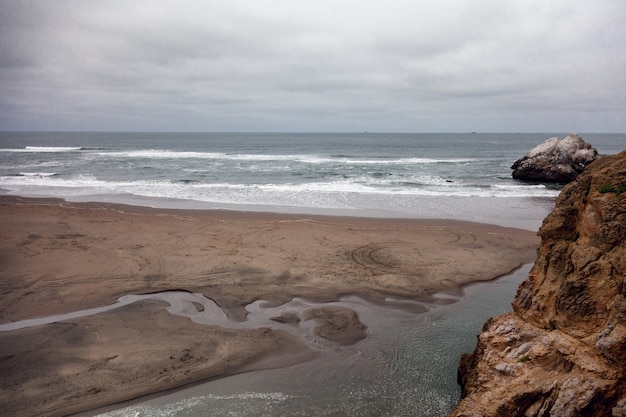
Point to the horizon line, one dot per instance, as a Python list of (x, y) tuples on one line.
[(311, 132)]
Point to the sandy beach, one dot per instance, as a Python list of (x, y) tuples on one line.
[(58, 257)]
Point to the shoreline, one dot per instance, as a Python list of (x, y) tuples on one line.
[(61, 256), (497, 211)]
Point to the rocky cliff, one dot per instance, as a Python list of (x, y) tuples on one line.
[(562, 351)]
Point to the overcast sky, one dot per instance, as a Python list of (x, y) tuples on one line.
[(314, 65)]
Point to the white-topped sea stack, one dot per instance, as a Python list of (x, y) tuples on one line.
[(557, 160)]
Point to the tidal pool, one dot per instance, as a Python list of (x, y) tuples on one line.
[(405, 367)]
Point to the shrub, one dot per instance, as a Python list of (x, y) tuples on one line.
[(608, 188)]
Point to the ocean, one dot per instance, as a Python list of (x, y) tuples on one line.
[(461, 176), (407, 364)]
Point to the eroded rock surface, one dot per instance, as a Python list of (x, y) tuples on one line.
[(562, 351), (557, 160)]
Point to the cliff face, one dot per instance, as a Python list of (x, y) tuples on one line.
[(562, 351)]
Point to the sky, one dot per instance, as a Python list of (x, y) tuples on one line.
[(313, 65)]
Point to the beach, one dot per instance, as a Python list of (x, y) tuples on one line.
[(60, 257)]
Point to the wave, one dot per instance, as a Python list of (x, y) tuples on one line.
[(311, 159), (426, 188), (390, 161), (335, 191), (37, 174), (52, 148), (165, 154), (267, 401), (162, 154)]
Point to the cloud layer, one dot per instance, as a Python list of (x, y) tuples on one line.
[(284, 65)]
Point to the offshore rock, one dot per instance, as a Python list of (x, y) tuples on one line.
[(562, 351), (557, 160)]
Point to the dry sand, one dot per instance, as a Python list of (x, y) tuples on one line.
[(58, 257)]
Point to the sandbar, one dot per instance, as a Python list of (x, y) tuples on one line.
[(58, 257)]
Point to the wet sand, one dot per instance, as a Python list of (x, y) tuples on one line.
[(59, 257)]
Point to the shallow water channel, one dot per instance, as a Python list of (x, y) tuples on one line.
[(405, 367)]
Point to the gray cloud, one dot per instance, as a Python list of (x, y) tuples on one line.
[(452, 65)]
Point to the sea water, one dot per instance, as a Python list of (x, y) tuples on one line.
[(461, 176)]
